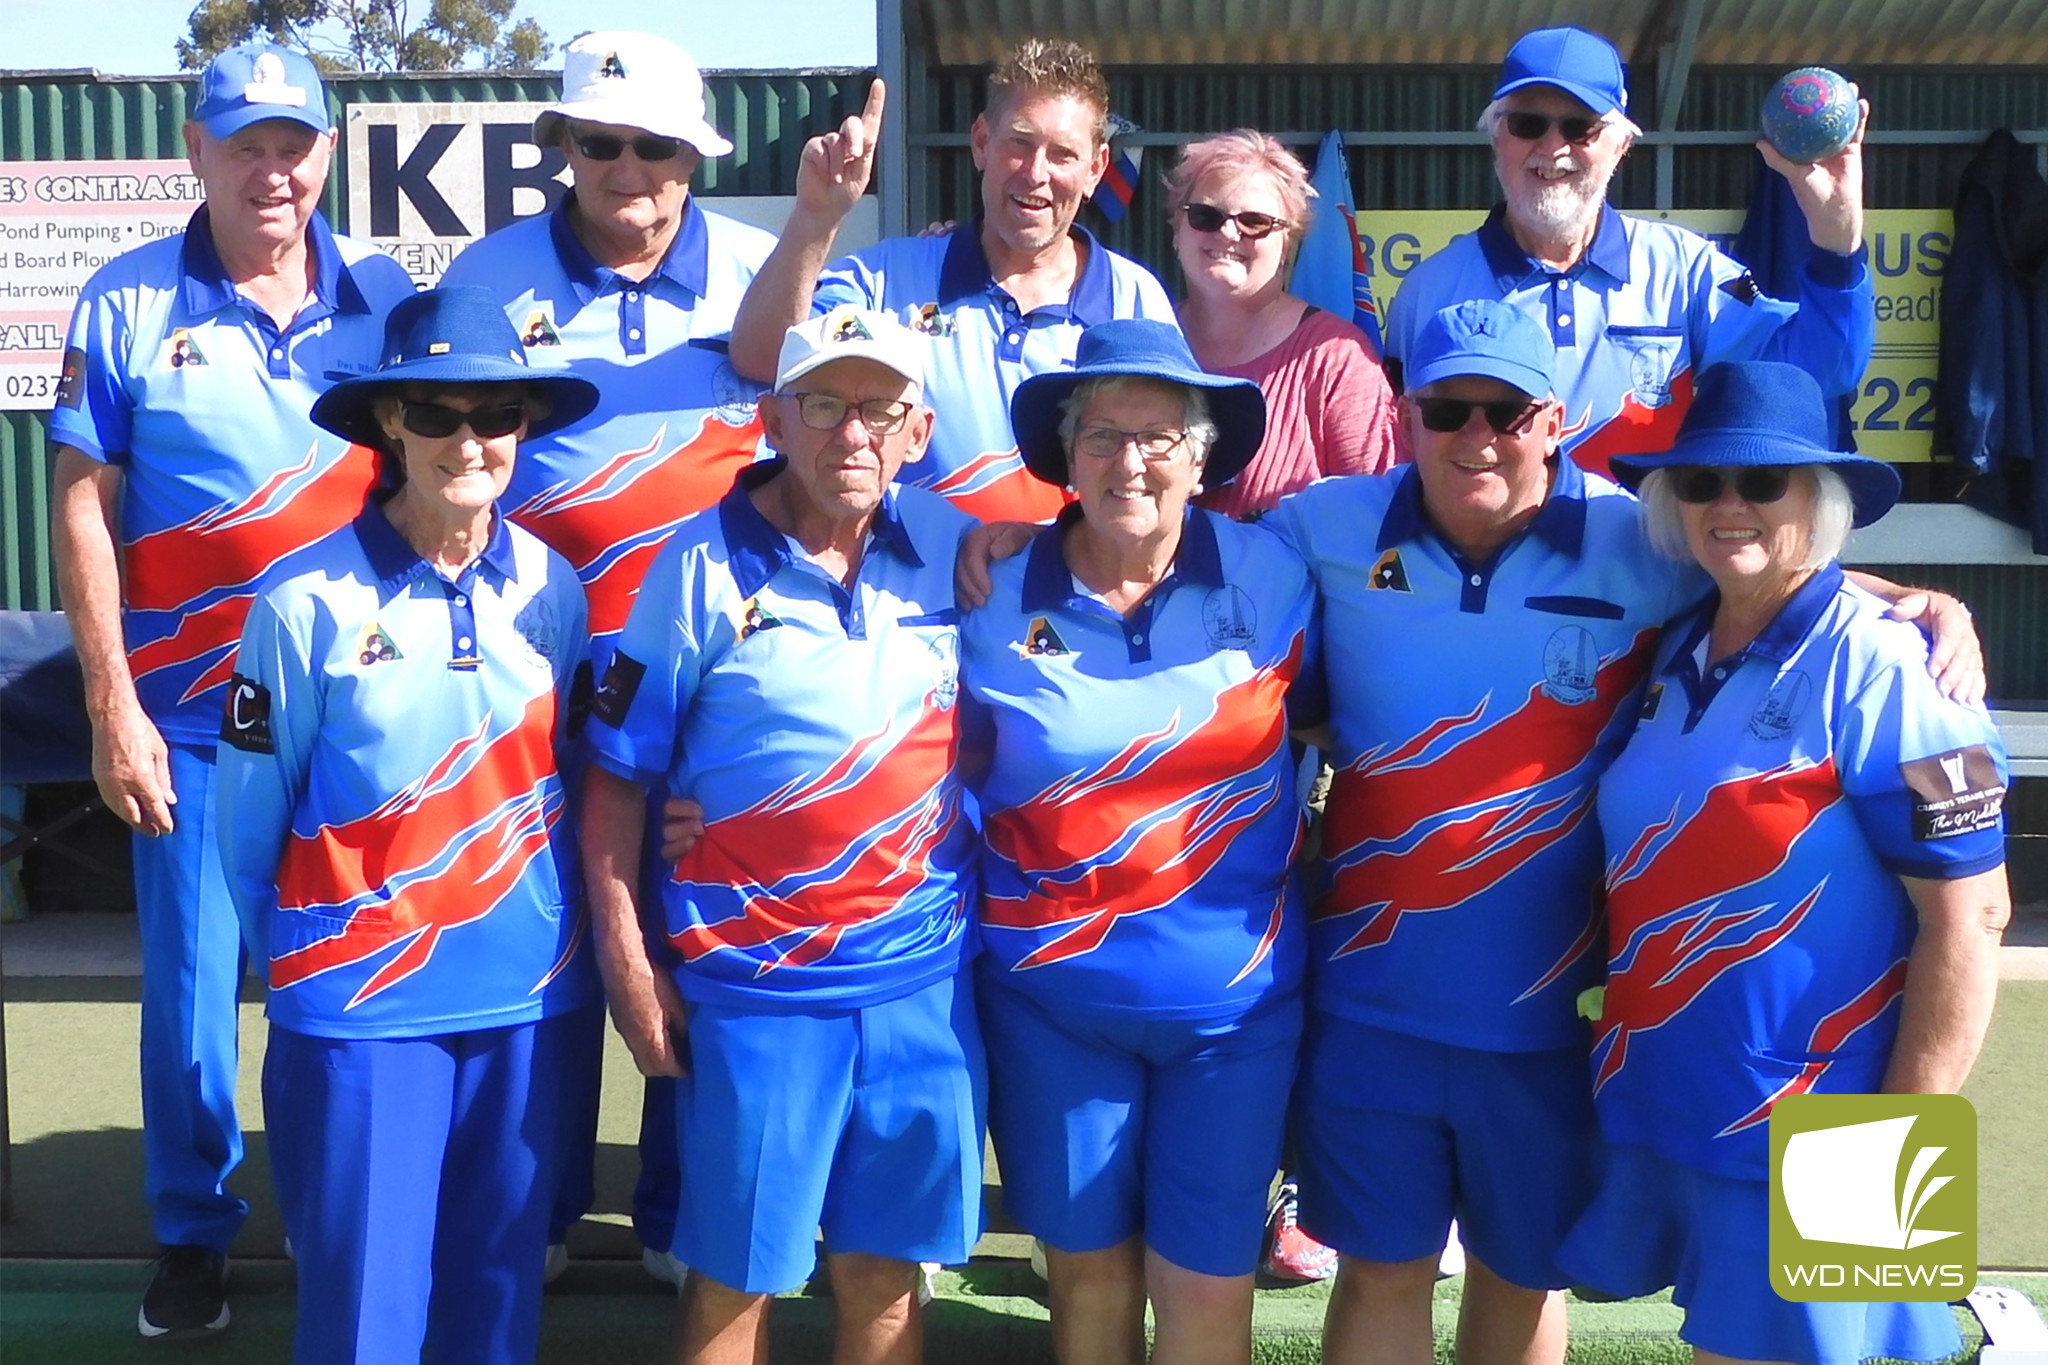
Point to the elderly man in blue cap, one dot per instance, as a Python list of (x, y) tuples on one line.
[(1635, 308), (186, 469)]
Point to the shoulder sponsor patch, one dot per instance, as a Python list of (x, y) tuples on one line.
[(1742, 288), (1954, 793), (71, 384), (615, 694), (245, 721)]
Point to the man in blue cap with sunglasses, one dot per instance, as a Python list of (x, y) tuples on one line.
[(1635, 308), (186, 469)]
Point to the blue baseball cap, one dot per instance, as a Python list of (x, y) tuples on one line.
[(1583, 65), (1483, 337), (457, 334), (254, 81)]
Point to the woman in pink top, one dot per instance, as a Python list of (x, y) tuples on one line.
[(1240, 204)]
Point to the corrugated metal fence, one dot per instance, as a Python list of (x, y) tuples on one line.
[(46, 117)]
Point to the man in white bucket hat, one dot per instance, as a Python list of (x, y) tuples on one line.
[(625, 282)]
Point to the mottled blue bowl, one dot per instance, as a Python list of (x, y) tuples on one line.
[(1810, 114)]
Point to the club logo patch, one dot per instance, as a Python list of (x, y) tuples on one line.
[(1041, 641), (245, 721), (539, 330), (945, 670), (1571, 662), (755, 618), (1388, 574), (615, 694), (537, 626), (184, 350), (1954, 793), (1782, 709), (1229, 618), (931, 321), (374, 645), (733, 395), (1649, 372)]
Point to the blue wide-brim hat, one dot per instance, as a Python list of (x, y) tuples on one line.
[(454, 335), (1765, 412), (1141, 349)]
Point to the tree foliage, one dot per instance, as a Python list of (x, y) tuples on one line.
[(372, 35)]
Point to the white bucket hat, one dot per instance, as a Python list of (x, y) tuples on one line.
[(635, 80)]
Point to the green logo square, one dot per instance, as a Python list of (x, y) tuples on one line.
[(1873, 1198)]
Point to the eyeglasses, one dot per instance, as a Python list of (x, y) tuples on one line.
[(1576, 129), (1508, 416), (438, 419), (1106, 443), (827, 412), (1251, 224), (1753, 483), (607, 146)]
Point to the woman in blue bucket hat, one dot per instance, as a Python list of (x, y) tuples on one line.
[(1805, 884), (393, 823)]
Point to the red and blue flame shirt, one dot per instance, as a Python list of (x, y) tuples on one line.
[(982, 348), (1646, 309), (392, 816), (201, 401), (674, 422), (1757, 825), (818, 726), (1473, 707), (1141, 817)]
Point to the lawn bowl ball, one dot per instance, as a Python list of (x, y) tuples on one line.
[(1810, 114)]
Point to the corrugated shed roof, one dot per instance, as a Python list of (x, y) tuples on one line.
[(1478, 32)]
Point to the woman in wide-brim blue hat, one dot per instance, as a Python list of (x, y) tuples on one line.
[(395, 836), (1143, 946), (1805, 882)]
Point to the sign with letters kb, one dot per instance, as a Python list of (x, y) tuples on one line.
[(59, 222)]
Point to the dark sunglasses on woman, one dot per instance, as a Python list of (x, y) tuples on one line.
[(608, 147), (1576, 129), (1508, 417), (438, 419), (1251, 224), (1753, 483)]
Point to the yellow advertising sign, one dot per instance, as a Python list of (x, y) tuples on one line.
[(1894, 413)]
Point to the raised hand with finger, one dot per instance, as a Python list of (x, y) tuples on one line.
[(837, 166)]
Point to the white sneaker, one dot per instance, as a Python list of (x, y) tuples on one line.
[(664, 1266), (1038, 1258), (556, 1263), (927, 1281)]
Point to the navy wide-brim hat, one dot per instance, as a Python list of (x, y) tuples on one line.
[(455, 335), (1141, 349), (1765, 412)]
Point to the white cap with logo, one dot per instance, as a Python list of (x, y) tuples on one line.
[(849, 334), (635, 80)]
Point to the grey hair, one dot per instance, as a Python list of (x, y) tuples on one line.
[(1194, 412), (1490, 117), (1834, 512)]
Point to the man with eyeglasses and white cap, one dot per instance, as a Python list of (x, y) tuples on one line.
[(791, 664), (187, 468), (631, 283), (1635, 308)]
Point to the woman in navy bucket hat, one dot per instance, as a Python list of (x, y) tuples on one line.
[(1805, 882), (395, 835), (1143, 943)]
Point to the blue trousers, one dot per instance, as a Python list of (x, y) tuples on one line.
[(416, 1177), (191, 966)]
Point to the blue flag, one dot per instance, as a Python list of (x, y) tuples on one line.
[(1331, 271)]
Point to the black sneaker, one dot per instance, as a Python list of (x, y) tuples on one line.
[(187, 1295)]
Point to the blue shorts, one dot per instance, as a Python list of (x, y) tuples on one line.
[(1399, 1135), (864, 1122), (1107, 1125), (1656, 1223)]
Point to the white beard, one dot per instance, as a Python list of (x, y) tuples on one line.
[(1556, 207)]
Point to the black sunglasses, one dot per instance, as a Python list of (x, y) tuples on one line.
[(1530, 127), (1251, 224), (1753, 483), (1508, 417), (607, 147), (438, 419)]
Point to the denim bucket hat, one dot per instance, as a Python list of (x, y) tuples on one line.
[(1765, 412), (1138, 348), (456, 335)]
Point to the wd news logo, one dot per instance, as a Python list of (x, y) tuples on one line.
[(1873, 1198)]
